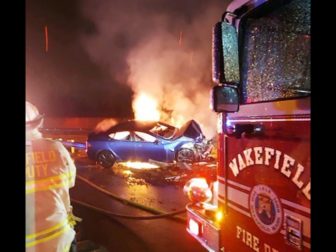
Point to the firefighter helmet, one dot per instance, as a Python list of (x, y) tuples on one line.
[(33, 117)]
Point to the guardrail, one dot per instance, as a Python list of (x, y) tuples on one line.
[(72, 138), (65, 130), (74, 144)]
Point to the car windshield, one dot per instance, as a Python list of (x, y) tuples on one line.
[(163, 130)]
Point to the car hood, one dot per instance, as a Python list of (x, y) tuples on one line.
[(190, 129)]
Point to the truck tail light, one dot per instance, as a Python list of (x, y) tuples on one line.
[(195, 227), (219, 215)]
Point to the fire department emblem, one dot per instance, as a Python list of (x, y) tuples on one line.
[(265, 209)]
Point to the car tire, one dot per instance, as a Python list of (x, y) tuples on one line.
[(106, 159), (185, 155)]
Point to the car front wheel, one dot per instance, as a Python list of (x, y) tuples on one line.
[(106, 159), (185, 155)]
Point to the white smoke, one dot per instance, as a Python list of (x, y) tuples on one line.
[(168, 55)]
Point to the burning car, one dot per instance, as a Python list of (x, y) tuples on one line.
[(148, 141)]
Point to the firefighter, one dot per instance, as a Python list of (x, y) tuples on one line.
[(50, 172)]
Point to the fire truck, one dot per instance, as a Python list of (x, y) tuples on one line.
[(260, 200)]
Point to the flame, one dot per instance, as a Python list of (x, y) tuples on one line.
[(127, 172), (139, 165), (146, 108), (177, 121)]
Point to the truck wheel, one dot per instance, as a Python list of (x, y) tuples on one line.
[(185, 155), (106, 159)]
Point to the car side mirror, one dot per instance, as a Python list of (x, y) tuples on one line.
[(224, 99)]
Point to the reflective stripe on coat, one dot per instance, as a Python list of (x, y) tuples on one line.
[(50, 172)]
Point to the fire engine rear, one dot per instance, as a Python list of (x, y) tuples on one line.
[(261, 68)]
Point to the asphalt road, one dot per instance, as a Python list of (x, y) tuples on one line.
[(159, 190), (132, 235), (120, 234)]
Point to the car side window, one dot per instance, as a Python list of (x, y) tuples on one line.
[(122, 135), (143, 137)]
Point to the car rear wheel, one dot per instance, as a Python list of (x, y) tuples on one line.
[(106, 159), (185, 155)]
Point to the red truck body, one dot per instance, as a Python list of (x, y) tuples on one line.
[(263, 164)]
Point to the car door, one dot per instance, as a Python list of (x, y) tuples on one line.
[(121, 144), (148, 147)]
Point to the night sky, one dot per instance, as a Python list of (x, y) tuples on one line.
[(85, 71)]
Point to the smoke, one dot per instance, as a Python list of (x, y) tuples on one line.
[(161, 48)]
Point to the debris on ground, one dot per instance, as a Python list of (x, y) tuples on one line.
[(175, 173)]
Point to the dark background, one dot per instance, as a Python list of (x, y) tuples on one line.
[(67, 80), (64, 81)]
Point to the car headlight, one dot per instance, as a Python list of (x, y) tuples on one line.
[(188, 145), (198, 190)]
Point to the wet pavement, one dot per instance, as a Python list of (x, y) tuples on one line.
[(143, 194), (120, 234), (130, 235)]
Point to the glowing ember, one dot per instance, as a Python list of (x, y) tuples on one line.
[(139, 165), (46, 38), (146, 108), (127, 172)]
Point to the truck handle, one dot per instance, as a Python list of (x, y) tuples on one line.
[(250, 130)]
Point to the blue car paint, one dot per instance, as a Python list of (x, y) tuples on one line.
[(121, 149), (146, 150), (163, 150)]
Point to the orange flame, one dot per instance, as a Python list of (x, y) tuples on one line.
[(146, 108), (139, 165), (177, 121)]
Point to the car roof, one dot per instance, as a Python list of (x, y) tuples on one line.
[(132, 125)]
